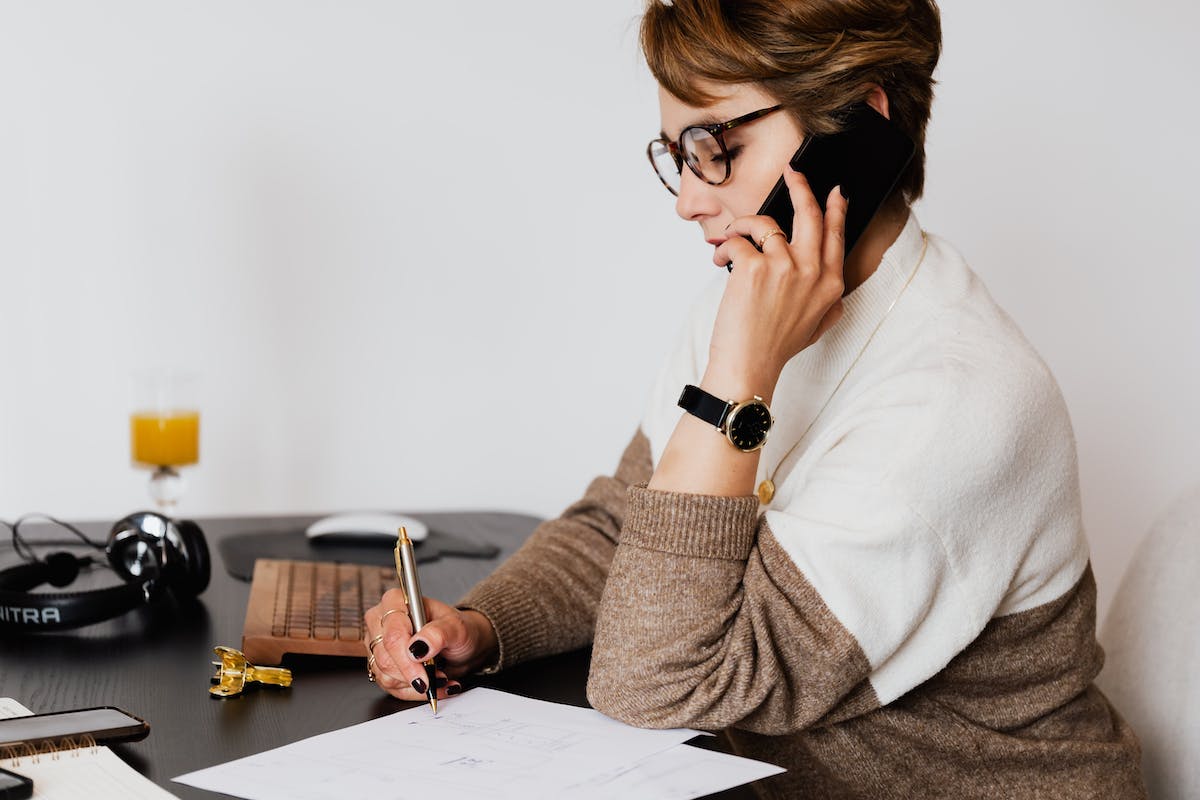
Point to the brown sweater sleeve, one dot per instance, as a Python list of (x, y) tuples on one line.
[(705, 622), (543, 599)]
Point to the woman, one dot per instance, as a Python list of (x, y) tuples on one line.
[(906, 608)]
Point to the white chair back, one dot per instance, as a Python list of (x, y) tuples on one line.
[(1152, 641)]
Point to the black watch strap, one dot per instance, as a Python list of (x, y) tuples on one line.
[(705, 406)]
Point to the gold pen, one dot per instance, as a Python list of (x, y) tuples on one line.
[(406, 570)]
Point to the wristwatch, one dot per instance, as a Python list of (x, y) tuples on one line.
[(745, 425)]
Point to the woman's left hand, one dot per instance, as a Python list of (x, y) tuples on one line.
[(782, 299)]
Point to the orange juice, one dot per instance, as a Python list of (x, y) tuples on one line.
[(165, 439)]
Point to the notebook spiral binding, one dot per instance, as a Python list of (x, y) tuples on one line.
[(69, 746)]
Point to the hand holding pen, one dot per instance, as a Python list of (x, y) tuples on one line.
[(461, 642)]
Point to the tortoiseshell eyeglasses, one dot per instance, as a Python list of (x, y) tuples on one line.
[(702, 148)]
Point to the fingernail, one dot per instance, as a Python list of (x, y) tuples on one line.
[(419, 649), (839, 190), (419, 685), (454, 688)]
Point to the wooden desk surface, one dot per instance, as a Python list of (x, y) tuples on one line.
[(155, 662)]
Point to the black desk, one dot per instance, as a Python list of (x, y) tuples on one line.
[(155, 663)]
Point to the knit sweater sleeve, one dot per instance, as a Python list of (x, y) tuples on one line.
[(707, 623), (543, 599)]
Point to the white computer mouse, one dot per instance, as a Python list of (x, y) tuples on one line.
[(379, 524)]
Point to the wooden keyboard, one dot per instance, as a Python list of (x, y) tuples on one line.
[(311, 607)]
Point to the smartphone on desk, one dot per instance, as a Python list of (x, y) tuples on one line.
[(104, 724), (866, 158), (14, 786)]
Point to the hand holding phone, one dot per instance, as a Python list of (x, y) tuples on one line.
[(866, 158), (767, 328)]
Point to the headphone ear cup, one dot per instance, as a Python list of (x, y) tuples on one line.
[(56, 569), (121, 538), (63, 568), (132, 547), (198, 566)]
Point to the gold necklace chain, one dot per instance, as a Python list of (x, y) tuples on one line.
[(766, 489)]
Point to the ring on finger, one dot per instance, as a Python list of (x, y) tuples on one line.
[(386, 614), (763, 239), (371, 668), (372, 643)]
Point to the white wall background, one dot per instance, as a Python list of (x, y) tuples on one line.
[(418, 257)]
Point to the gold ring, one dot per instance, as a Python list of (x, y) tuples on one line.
[(386, 614), (372, 643), (371, 668), (768, 235)]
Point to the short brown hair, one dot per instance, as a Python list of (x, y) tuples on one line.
[(816, 57)]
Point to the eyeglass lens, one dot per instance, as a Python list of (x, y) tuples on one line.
[(701, 151), (664, 165)]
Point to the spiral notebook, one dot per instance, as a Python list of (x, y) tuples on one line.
[(93, 772)]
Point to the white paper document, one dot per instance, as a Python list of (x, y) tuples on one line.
[(680, 773), (483, 743)]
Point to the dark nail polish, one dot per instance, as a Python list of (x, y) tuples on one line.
[(453, 688), (418, 649), (439, 683), (419, 685)]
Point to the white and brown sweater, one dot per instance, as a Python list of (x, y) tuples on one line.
[(914, 613)]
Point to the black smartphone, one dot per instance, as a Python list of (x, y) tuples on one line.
[(104, 724), (14, 786), (866, 158)]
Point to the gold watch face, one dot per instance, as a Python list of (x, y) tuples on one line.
[(748, 426)]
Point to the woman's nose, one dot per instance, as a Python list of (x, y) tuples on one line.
[(696, 198)]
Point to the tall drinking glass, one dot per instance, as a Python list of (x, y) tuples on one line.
[(164, 430)]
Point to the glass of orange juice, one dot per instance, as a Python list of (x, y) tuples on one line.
[(164, 429)]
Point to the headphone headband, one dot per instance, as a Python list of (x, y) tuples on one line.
[(29, 613)]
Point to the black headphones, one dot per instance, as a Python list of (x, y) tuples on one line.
[(152, 553)]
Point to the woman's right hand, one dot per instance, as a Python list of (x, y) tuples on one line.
[(462, 642), (782, 298)]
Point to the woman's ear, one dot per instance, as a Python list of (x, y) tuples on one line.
[(878, 100)]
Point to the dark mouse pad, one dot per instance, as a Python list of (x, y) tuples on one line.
[(240, 550)]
